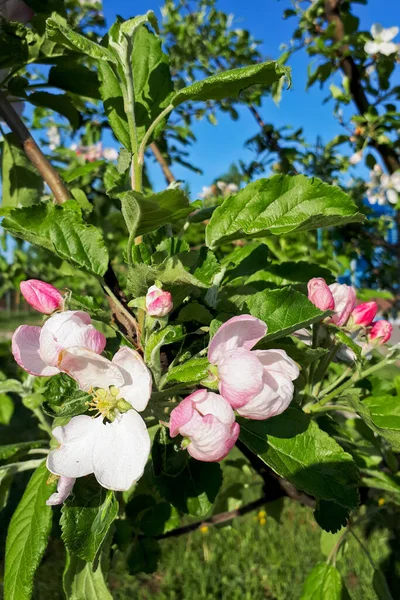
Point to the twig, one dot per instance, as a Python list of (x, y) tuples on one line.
[(169, 176), (33, 152)]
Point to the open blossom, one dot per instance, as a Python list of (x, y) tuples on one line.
[(42, 296), (54, 137), (257, 383), (158, 302), (208, 421), (381, 332), (344, 298), (364, 313), (382, 40), (115, 445), (391, 185), (38, 349)]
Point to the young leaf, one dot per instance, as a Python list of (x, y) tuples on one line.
[(61, 231), (168, 335), (87, 517), (193, 370), (331, 516), (230, 84), (6, 409), (284, 311), (324, 583), (83, 580), (113, 100), (382, 415), (27, 536), (280, 204), (168, 458), (298, 450), (22, 185), (60, 32), (382, 481), (60, 103), (18, 449), (380, 586), (75, 78), (63, 398)]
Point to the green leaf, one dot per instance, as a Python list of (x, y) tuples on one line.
[(331, 516), (284, 311), (87, 169), (19, 449), (22, 185), (195, 312), (168, 335), (329, 541), (347, 340), (11, 385), (144, 556), (299, 352), (324, 583), (380, 586), (156, 210), (230, 84), (382, 415), (84, 580), (193, 370), (59, 31), (382, 481), (75, 78), (113, 100), (168, 458), (194, 489), (61, 231), (280, 204), (291, 273), (86, 518), (60, 103), (298, 450), (27, 536), (6, 409), (159, 519), (63, 398)]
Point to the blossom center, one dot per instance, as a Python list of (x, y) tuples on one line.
[(107, 402)]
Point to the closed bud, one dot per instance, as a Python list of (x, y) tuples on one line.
[(42, 296), (320, 294), (158, 302), (364, 313), (381, 332)]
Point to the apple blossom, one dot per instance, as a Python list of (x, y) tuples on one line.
[(158, 302), (54, 137), (391, 185), (115, 444), (381, 332), (364, 314), (320, 294), (207, 420), (356, 158), (64, 489), (382, 40), (42, 296), (37, 349), (258, 383)]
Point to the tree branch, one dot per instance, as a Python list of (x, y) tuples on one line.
[(350, 69), (33, 152), (169, 176)]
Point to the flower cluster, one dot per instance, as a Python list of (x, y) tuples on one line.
[(381, 42), (94, 152), (221, 188), (358, 319), (382, 187), (258, 384), (114, 444)]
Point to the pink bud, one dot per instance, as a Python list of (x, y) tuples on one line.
[(364, 313), (344, 297), (381, 332), (320, 294), (42, 296), (158, 302)]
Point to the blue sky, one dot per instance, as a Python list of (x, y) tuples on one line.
[(217, 147)]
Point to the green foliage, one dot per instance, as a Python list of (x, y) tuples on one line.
[(324, 583), (27, 536), (83, 580), (62, 231), (22, 186), (63, 398), (382, 415), (280, 205)]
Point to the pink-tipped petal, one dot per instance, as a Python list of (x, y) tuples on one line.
[(74, 456), (136, 388), (345, 301), (213, 404), (212, 440), (121, 452), (275, 397), (320, 294), (25, 349), (158, 302), (364, 313), (243, 331), (278, 361), (64, 489), (42, 296), (90, 370), (381, 332), (240, 376), (181, 415)]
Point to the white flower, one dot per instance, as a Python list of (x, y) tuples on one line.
[(207, 192), (391, 183), (356, 157), (231, 188), (115, 445), (382, 40), (54, 137), (110, 154)]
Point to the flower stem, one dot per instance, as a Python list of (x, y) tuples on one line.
[(347, 372), (136, 173)]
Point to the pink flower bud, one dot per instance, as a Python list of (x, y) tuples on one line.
[(381, 332), (320, 294), (42, 296), (344, 297), (158, 302), (208, 422), (364, 313)]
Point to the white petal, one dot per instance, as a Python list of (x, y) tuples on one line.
[(392, 196), (275, 397), (214, 404), (25, 349), (74, 457), (371, 47), (243, 331), (388, 34), (89, 369), (376, 30), (136, 388), (395, 181), (387, 48), (121, 452), (278, 360)]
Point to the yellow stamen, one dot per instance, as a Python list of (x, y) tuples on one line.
[(104, 402)]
